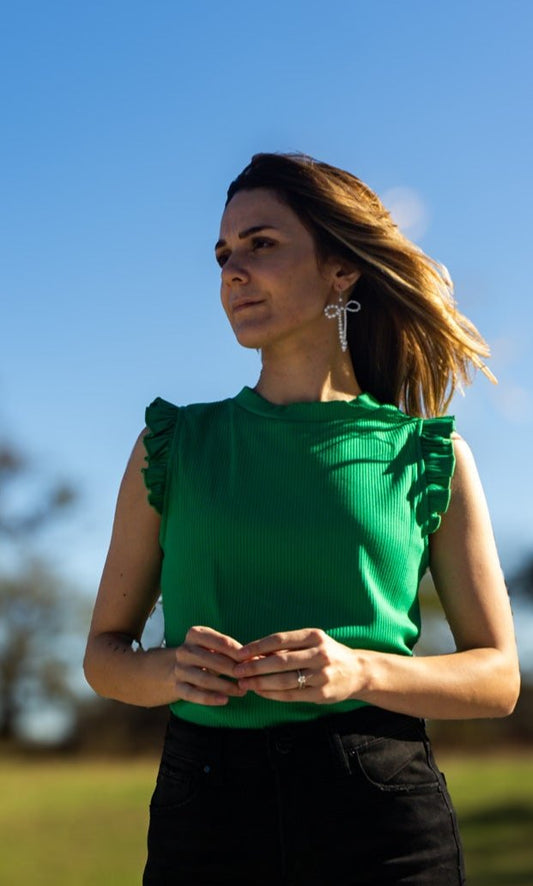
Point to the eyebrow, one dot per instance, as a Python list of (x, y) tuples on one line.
[(246, 233)]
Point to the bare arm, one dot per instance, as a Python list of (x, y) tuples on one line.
[(128, 591), (481, 679)]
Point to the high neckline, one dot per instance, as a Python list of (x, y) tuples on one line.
[(306, 411)]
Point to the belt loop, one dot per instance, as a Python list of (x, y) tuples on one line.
[(336, 746)]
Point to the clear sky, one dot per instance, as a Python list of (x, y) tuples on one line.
[(122, 125)]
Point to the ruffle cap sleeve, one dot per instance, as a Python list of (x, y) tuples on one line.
[(161, 418), (439, 463)]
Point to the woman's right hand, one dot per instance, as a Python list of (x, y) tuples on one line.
[(203, 663)]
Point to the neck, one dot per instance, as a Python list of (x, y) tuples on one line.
[(297, 379)]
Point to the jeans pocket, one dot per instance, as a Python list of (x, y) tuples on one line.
[(401, 764), (178, 782)]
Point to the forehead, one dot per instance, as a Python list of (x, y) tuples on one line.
[(260, 206)]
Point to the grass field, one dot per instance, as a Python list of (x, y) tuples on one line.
[(80, 823)]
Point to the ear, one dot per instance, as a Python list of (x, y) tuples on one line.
[(345, 277)]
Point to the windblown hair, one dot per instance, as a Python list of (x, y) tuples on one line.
[(409, 344)]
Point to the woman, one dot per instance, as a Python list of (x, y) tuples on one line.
[(288, 528)]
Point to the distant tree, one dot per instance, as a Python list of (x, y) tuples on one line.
[(21, 526), (36, 618), (36, 612)]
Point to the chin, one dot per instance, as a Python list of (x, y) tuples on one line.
[(253, 343), (248, 337)]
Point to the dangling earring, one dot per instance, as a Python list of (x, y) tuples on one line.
[(340, 311)]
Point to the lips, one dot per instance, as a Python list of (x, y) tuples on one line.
[(243, 303)]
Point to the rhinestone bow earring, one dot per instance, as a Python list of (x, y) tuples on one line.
[(340, 311)]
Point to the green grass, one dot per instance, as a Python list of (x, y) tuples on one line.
[(493, 796), (80, 823), (75, 823)]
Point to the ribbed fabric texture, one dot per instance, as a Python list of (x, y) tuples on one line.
[(285, 517)]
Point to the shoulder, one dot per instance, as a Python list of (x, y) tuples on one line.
[(133, 504), (465, 463), (162, 418), (162, 410), (465, 475), (133, 477), (138, 453), (468, 509)]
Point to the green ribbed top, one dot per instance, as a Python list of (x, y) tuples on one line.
[(284, 517)]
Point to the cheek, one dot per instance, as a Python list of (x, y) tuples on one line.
[(310, 294)]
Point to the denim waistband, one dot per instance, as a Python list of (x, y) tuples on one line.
[(246, 745)]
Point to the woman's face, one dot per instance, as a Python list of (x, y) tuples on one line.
[(273, 290)]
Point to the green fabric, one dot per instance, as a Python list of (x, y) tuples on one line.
[(285, 517)]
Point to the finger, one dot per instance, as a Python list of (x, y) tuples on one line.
[(206, 680), (205, 658), (282, 682), (302, 639), (187, 692), (275, 663), (208, 638)]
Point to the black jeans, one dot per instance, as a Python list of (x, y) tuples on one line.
[(347, 799)]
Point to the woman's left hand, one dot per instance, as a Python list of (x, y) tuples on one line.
[(304, 665)]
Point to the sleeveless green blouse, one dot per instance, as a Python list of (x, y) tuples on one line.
[(275, 518)]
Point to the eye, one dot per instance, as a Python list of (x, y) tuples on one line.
[(261, 243), (221, 258)]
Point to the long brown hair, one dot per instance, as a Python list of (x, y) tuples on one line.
[(409, 344)]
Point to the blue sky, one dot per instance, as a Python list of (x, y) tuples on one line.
[(122, 125)]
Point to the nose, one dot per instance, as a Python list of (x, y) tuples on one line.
[(234, 271)]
